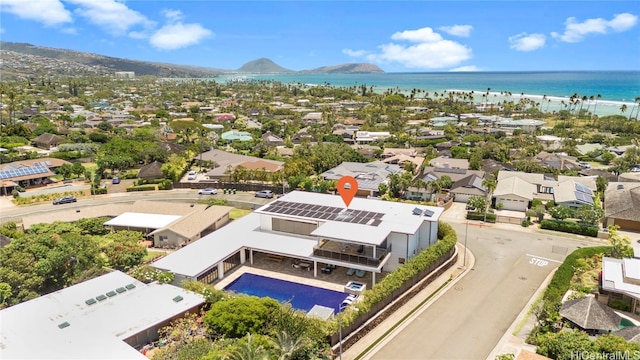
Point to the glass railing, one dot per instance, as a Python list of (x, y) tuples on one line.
[(351, 257)]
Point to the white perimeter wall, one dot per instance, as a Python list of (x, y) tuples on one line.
[(399, 250)]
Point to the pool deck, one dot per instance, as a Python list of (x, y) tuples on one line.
[(262, 265)]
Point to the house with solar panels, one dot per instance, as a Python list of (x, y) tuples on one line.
[(369, 237), (27, 173)]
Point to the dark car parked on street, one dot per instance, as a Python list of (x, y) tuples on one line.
[(64, 200)]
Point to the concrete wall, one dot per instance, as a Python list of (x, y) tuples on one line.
[(514, 203)]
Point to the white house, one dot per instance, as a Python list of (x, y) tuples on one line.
[(107, 317), (370, 235), (621, 278), (514, 193)]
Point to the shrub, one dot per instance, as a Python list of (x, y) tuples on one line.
[(619, 304), (491, 218), (165, 184), (98, 190), (141, 188), (569, 227), (526, 223)]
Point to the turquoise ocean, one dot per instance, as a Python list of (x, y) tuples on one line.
[(615, 87)]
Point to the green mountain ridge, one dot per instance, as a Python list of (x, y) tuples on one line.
[(23, 60)]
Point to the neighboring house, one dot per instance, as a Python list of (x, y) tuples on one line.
[(557, 161), (629, 177), (430, 173), (622, 205), (621, 279), (467, 187), (550, 142), (151, 171), (300, 136), (191, 227), (449, 163), (225, 162), (48, 141), (173, 231), (108, 317), (584, 149), (27, 173), (372, 235), (619, 150), (514, 193), (235, 135), (402, 159), (368, 175), (271, 139), (312, 118), (572, 194), (526, 125), (370, 136)]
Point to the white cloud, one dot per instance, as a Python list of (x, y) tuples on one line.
[(355, 53), (466, 68), (172, 15), (178, 35), (428, 50), (47, 12), (419, 36), (1, 30), (576, 31), (113, 16), (457, 30), (527, 42)]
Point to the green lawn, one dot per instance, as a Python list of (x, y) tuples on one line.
[(238, 213), (152, 255)]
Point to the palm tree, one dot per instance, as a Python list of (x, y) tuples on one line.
[(249, 350), (635, 106), (286, 345), (490, 184), (623, 108)]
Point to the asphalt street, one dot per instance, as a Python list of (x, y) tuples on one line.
[(469, 320)]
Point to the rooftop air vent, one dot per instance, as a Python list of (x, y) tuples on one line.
[(620, 186), (63, 325), (417, 211), (178, 298)]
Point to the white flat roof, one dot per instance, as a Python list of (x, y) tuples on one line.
[(613, 276), (142, 220), (199, 256), (30, 330)]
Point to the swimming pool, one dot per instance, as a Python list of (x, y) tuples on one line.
[(301, 296)]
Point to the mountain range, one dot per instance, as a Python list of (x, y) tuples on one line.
[(22, 60)]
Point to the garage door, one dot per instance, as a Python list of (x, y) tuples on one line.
[(628, 224), (512, 204)]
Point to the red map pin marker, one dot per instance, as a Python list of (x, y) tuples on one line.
[(347, 188)]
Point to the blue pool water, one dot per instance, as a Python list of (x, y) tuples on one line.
[(301, 296)]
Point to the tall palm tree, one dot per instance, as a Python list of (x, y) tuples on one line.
[(623, 108), (490, 184), (249, 350)]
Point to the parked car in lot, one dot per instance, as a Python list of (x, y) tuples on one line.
[(267, 194), (64, 200), (208, 191), (192, 175), (115, 180)]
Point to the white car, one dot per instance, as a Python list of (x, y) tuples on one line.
[(192, 175), (208, 191)]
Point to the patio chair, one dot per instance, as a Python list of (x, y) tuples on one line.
[(348, 301), (351, 271), (360, 273)]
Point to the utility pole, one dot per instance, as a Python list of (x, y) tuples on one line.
[(466, 231)]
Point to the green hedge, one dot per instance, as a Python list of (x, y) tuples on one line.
[(569, 227), (385, 288), (141, 188), (491, 218), (562, 278), (98, 191)]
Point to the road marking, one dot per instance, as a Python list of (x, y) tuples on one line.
[(543, 258)]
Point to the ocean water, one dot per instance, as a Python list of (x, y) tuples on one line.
[(615, 87)]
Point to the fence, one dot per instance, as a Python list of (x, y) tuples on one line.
[(510, 219), (378, 313)]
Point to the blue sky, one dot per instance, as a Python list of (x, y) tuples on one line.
[(410, 36)]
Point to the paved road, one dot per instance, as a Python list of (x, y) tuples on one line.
[(467, 322), (9, 212)]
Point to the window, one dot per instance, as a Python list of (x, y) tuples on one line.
[(401, 260), (164, 238)]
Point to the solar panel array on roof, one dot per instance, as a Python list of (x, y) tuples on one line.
[(31, 170), (583, 189), (320, 212), (584, 198)]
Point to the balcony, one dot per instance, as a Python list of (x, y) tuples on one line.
[(351, 253)]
